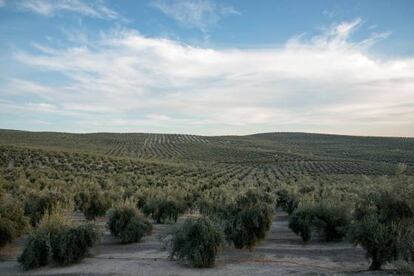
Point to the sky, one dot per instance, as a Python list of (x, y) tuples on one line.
[(208, 67)]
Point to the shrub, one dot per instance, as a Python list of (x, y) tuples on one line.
[(383, 227), (135, 230), (89, 233), (54, 222), (37, 205), (380, 241), (197, 241), (410, 243), (96, 205), (163, 209), (332, 219), (287, 201), (13, 223), (6, 231), (36, 250), (249, 226), (141, 200), (126, 223), (248, 219), (302, 222), (81, 200), (72, 245), (252, 198), (215, 210), (57, 238), (404, 267)]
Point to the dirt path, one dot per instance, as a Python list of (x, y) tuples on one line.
[(281, 253)]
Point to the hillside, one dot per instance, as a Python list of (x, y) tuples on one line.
[(267, 153)]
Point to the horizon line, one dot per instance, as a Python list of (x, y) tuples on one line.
[(239, 135)]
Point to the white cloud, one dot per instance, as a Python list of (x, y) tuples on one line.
[(324, 84), (42, 107), (194, 13), (10, 107), (2, 3), (159, 117), (338, 36), (51, 7), (19, 87)]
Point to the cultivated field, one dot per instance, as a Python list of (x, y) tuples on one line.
[(345, 197)]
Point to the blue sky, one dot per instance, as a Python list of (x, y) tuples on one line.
[(208, 67)]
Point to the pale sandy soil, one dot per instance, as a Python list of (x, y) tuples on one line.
[(282, 253)]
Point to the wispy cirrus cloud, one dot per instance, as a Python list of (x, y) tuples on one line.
[(338, 35), (129, 82), (93, 8), (198, 14)]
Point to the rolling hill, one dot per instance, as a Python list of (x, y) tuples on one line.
[(270, 154)]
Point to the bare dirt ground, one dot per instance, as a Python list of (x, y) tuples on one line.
[(282, 253)]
